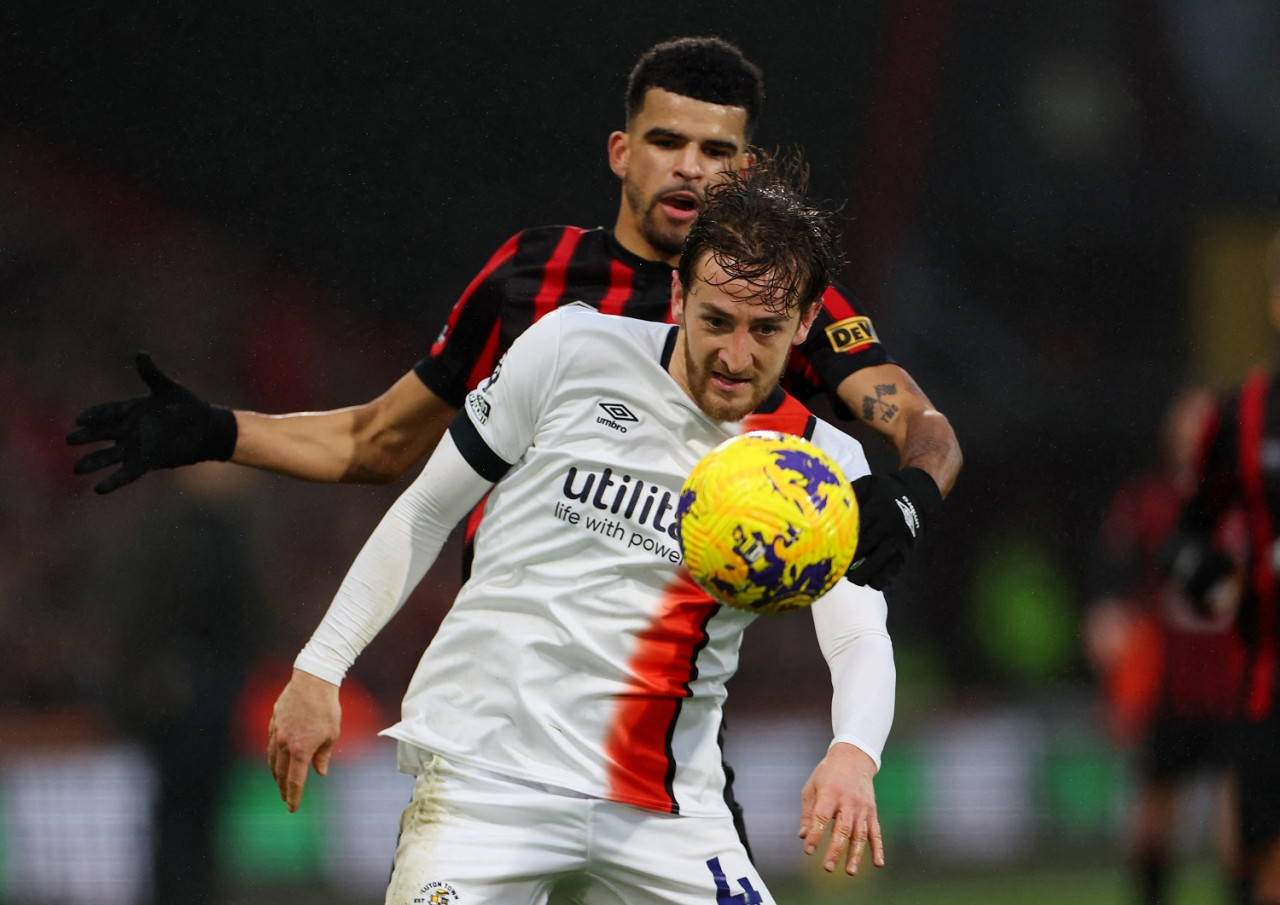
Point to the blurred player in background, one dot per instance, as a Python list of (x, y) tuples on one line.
[(691, 105), (1171, 677), (1242, 470), (185, 601), (563, 722)]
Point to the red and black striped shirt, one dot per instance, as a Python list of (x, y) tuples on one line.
[(540, 269), (1241, 467)]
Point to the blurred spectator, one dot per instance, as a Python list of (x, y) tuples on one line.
[(1171, 679), (185, 599), (1241, 470)]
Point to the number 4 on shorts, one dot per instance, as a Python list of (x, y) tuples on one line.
[(726, 896)]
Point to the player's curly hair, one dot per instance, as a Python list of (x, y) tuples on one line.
[(759, 227), (706, 69)]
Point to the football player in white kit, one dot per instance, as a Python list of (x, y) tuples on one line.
[(563, 722)]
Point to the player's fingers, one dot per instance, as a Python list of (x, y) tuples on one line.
[(814, 831), (870, 564), (840, 836), (82, 436), (280, 771), (278, 760), (101, 419), (856, 847), (99, 459), (877, 842), (321, 760), (152, 375), (879, 568), (808, 798), (117, 480), (273, 749), (295, 777)]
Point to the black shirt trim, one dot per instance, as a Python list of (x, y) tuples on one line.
[(487, 463)]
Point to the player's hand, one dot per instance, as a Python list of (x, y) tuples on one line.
[(169, 428), (893, 510), (841, 795), (304, 725), (1204, 573)]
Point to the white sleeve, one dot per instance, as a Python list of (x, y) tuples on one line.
[(506, 408), (851, 622), (497, 423), (398, 553)]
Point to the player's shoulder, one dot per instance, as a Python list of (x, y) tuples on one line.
[(839, 301), (579, 318), (599, 343), (544, 240)]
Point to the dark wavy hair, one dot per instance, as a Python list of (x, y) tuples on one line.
[(706, 69), (759, 227)]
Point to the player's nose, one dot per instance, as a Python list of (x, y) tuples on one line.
[(735, 354), (688, 163)]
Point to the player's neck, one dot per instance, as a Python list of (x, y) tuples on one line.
[(629, 236)]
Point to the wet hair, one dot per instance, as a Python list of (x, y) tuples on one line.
[(759, 227), (706, 69)]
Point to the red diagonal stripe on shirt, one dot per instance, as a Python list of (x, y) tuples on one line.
[(638, 745), (1253, 404), (620, 279), (500, 257), (555, 273), (488, 359)]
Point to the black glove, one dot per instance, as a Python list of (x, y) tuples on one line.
[(1197, 567), (893, 510), (169, 428)]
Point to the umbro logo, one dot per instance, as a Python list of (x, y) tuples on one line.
[(617, 413)]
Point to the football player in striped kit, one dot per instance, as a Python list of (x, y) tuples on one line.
[(1241, 469), (691, 106), (563, 722)]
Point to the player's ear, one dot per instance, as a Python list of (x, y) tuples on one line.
[(748, 161), (677, 299), (806, 321), (618, 154)]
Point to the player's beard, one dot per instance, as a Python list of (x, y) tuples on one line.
[(713, 403), (665, 237)]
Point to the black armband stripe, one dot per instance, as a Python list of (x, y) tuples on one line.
[(487, 463)]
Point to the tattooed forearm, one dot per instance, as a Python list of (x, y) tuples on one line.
[(880, 408)]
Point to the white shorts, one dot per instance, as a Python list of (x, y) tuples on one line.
[(473, 838)]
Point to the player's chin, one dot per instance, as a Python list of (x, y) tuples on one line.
[(729, 409)]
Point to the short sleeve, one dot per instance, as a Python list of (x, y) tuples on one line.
[(507, 406)]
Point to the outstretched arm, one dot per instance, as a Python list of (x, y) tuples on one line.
[(897, 507), (372, 443), (401, 549)]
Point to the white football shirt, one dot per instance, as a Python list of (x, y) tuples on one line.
[(579, 654)]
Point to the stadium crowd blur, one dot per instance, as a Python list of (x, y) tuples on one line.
[(1092, 196), (82, 247)]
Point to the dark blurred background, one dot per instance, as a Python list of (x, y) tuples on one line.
[(1056, 215)]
